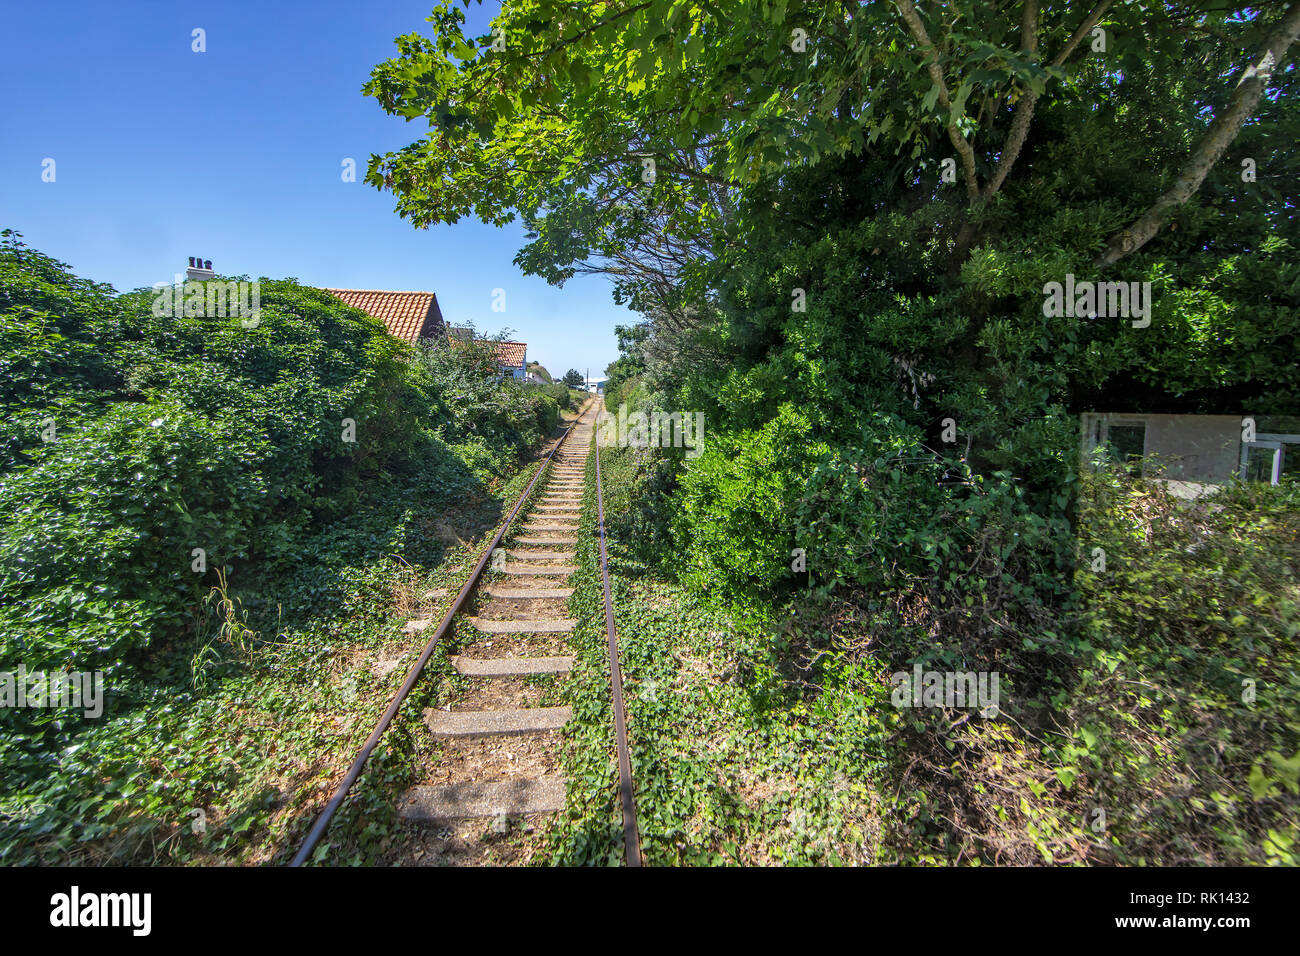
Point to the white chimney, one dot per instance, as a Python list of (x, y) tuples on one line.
[(200, 269)]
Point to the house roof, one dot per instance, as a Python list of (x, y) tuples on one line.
[(511, 353), (407, 315), (508, 354)]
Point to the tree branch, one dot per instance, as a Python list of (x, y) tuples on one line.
[(908, 9), (1024, 114), (1250, 87), (1024, 109), (1085, 28)]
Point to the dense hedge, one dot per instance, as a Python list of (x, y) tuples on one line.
[(174, 434), (563, 396)]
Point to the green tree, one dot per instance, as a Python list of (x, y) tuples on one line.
[(574, 379), (620, 131)]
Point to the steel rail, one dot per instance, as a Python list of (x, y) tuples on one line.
[(354, 772), (631, 835)]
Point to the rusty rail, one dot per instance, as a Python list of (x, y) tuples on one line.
[(631, 835), (354, 772)]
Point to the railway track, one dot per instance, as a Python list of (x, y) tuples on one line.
[(522, 626)]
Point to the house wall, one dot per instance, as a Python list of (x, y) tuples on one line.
[(1193, 447)]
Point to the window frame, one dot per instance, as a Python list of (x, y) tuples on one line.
[(1274, 440)]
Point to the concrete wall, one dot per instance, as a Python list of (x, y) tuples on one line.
[(1201, 448)]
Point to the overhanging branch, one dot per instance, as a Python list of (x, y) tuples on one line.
[(908, 9), (1024, 114), (1250, 87)]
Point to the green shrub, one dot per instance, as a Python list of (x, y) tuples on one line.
[(107, 518), (623, 392), (175, 434), (561, 394), (1183, 713), (734, 525)]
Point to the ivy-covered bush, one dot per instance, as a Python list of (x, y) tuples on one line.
[(734, 524), (1182, 719), (561, 394), (141, 454)]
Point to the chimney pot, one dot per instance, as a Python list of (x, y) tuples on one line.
[(207, 264), (191, 262)]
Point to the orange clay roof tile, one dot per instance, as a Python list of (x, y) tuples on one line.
[(407, 315), (508, 354)]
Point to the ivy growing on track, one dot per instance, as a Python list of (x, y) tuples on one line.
[(729, 765)]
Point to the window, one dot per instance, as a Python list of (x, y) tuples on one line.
[(1291, 458), (1261, 461), (1270, 457), (1127, 445)]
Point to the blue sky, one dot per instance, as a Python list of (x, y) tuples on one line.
[(235, 154)]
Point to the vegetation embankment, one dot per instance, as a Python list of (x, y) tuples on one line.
[(1150, 719), (229, 520)]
